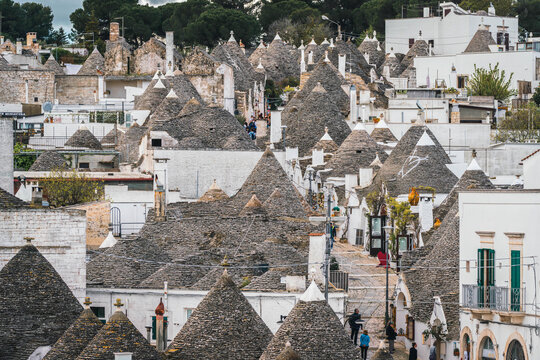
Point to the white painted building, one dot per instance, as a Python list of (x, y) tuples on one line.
[(499, 253), (448, 33), (456, 69)]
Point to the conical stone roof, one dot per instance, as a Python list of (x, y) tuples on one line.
[(288, 353), (213, 193), (267, 176), (394, 65), (358, 150), (374, 50), (315, 114), (169, 108), (313, 330), (480, 41), (419, 48), (409, 165), (109, 141), (48, 161), (473, 178), (381, 133), (326, 144), (277, 60), (244, 74), (83, 138), (118, 335), (253, 207), (223, 326), (329, 77), (76, 337), (94, 64), (36, 305), (52, 64), (152, 96)]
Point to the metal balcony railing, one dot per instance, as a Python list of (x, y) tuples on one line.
[(494, 298)]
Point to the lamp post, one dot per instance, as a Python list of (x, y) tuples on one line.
[(324, 17), (387, 229), (310, 172)]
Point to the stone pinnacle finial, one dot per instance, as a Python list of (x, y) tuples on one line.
[(326, 129), (118, 304), (28, 239), (87, 302)]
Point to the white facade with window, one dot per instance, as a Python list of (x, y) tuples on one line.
[(449, 33), (456, 70), (499, 283)]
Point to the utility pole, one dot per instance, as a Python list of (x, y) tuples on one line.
[(328, 239)]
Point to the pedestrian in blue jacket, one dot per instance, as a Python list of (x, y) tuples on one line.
[(364, 344)]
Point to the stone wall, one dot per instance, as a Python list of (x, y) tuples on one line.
[(77, 89), (150, 57), (118, 58), (59, 234), (97, 219), (40, 86)]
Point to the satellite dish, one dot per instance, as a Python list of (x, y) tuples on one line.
[(47, 106)]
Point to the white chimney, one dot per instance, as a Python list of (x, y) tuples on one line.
[(302, 61), (18, 47), (341, 63), (169, 52), (425, 211), (6, 155), (351, 181), (310, 58), (291, 153), (275, 126), (317, 157), (426, 12), (316, 255), (366, 56), (354, 107), (365, 175), (123, 356), (1, 39)]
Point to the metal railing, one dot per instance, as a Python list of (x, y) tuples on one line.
[(340, 279), (494, 298)]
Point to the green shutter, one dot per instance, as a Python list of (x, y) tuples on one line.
[(515, 281), (491, 268), (480, 268)]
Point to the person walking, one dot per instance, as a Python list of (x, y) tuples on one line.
[(433, 352), (354, 323), (413, 353), (391, 336), (364, 344)]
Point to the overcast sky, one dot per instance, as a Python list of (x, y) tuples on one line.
[(63, 8)]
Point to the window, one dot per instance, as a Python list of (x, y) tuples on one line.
[(189, 311), (84, 165), (468, 266), (410, 328), (487, 349), (154, 326), (411, 42), (485, 276), (432, 43), (156, 142), (515, 280), (99, 312), (515, 351), (462, 81), (359, 236), (35, 99)]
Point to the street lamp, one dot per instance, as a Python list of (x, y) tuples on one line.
[(388, 229), (325, 18), (328, 220)]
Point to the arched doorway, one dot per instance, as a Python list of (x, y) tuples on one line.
[(487, 349), (466, 346), (515, 351)]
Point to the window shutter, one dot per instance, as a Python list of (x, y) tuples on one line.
[(491, 269), (480, 268)]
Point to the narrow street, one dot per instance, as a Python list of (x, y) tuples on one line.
[(367, 286)]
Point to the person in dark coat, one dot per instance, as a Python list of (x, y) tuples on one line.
[(354, 323), (413, 354), (391, 335)]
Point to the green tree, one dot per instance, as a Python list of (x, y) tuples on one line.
[(57, 37), (402, 216), (502, 7), (491, 82), (68, 188), (177, 16), (216, 24), (528, 11), (373, 13), (19, 19), (22, 162), (140, 22), (520, 125), (536, 96), (273, 11)]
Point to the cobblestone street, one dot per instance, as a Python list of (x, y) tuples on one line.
[(366, 289)]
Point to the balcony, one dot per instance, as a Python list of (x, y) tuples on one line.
[(484, 301)]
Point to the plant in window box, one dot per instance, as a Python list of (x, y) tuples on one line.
[(436, 330)]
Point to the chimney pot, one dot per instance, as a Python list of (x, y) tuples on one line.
[(114, 32)]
